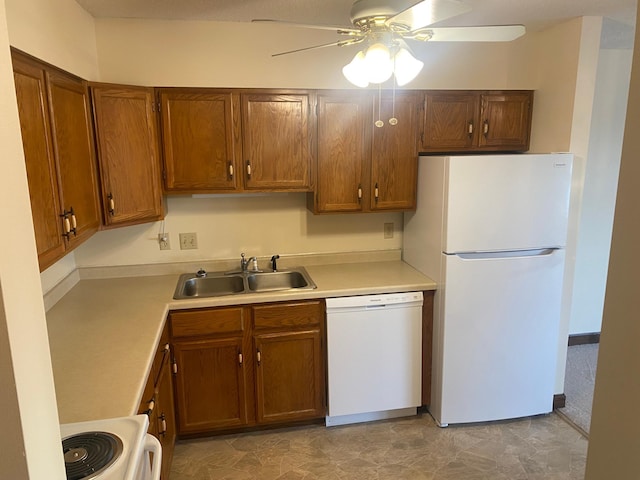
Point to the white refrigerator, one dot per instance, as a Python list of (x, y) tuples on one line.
[(491, 231)]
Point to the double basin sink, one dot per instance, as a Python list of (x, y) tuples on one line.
[(215, 284)]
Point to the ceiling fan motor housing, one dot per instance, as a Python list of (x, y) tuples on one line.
[(363, 11)]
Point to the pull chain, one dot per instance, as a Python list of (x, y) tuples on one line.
[(393, 120), (379, 123)]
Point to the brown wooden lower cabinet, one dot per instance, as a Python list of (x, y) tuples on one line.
[(289, 376), (244, 366), (210, 385), (158, 403)]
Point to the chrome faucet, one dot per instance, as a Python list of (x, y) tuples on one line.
[(244, 264)]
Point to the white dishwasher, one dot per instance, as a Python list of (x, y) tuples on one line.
[(374, 348)]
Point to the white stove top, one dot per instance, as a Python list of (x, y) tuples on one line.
[(130, 430)]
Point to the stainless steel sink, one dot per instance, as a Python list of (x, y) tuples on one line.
[(270, 281), (215, 284), (190, 286)]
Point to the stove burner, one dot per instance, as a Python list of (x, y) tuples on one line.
[(89, 453)]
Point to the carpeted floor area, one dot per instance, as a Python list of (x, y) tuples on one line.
[(578, 386)]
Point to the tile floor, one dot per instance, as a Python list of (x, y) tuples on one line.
[(544, 447)]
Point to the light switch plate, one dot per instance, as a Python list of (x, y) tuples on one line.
[(188, 241)]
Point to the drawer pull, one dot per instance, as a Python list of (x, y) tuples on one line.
[(163, 425), (258, 357), (112, 204)]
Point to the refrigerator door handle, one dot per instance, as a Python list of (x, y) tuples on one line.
[(537, 252)]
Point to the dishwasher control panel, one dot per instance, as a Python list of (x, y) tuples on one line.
[(374, 300)]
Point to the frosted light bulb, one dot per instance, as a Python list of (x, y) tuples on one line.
[(406, 67), (355, 71), (378, 63)]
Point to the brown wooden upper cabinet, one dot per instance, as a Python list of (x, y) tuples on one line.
[(201, 140), (361, 167), (461, 121), (277, 141), (57, 137), (217, 140), (128, 154)]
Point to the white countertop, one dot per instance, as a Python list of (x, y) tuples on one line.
[(103, 333)]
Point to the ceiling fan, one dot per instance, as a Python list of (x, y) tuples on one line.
[(384, 29)]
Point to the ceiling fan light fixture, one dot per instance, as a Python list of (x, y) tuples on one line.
[(355, 71), (378, 63), (406, 67)]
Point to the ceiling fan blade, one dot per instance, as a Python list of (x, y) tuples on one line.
[(428, 12), (496, 33), (339, 30), (342, 43)]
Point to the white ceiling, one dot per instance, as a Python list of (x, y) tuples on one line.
[(534, 14)]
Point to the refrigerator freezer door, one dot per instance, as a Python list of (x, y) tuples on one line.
[(497, 336), (506, 202)]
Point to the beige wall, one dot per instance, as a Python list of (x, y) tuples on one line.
[(30, 440), (190, 53), (614, 442), (57, 31), (227, 226)]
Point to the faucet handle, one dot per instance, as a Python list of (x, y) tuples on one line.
[(274, 265)]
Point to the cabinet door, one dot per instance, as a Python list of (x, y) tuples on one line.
[(289, 376), (73, 144), (450, 121), (276, 141), (210, 384), (166, 418), (506, 120), (394, 156), (201, 140), (128, 154), (38, 151), (343, 152)]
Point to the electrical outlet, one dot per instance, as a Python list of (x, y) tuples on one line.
[(188, 241), (388, 230), (163, 241)]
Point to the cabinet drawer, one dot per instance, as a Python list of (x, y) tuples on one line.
[(287, 314), (190, 323)]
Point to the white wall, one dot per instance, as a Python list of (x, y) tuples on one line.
[(599, 190), (614, 442), (30, 440)]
